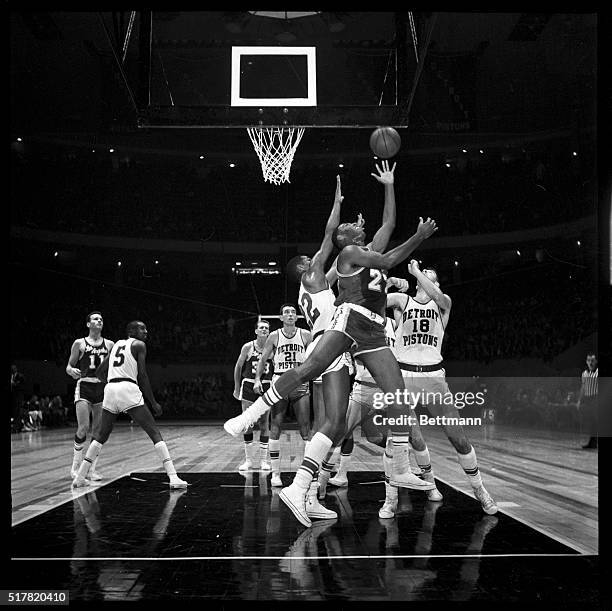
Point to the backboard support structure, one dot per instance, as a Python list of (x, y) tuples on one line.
[(204, 90)]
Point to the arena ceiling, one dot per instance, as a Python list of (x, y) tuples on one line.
[(78, 76)]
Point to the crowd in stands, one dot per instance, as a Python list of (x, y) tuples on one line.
[(201, 397), (184, 200), (510, 318), (39, 411)]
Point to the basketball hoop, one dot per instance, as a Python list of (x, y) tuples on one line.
[(275, 147)]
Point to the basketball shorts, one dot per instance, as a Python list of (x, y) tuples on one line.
[(122, 396), (431, 385), (296, 393), (365, 328), (344, 360), (92, 392), (247, 393)]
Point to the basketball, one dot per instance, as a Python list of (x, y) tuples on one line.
[(385, 142)]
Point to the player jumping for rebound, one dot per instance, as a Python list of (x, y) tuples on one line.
[(358, 325), (316, 299), (422, 320)]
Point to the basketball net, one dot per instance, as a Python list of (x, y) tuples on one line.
[(275, 147)]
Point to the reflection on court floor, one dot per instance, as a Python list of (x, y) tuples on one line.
[(229, 537)]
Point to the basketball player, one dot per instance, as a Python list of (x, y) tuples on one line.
[(360, 402), (316, 299), (86, 355), (358, 325), (361, 411), (288, 345), (127, 381), (244, 378), (421, 322)]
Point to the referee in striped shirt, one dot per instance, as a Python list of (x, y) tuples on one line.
[(587, 401)]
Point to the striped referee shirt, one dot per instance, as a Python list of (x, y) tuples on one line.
[(589, 383)]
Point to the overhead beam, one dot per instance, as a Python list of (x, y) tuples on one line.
[(202, 117), (145, 39)]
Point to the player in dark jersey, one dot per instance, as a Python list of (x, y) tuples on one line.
[(85, 356), (358, 325), (244, 378)]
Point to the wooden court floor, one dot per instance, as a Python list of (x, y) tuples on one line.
[(541, 478)]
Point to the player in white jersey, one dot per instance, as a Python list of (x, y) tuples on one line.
[(287, 347), (421, 321), (316, 299), (127, 376)]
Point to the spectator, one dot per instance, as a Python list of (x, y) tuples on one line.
[(587, 400), (17, 396)]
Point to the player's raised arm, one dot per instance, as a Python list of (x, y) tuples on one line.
[(266, 354), (332, 222), (383, 235), (433, 291), (397, 302), (332, 273), (238, 368), (355, 256)]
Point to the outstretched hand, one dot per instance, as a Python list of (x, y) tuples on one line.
[(426, 228), (338, 198), (385, 175), (401, 284), (413, 267)]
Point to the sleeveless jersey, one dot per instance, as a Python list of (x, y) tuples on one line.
[(121, 362), (361, 373), (289, 351), (90, 359), (249, 367), (420, 334), (365, 287), (318, 308)]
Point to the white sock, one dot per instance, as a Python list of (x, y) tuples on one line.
[(390, 491), (470, 466), (77, 454), (92, 454), (327, 466), (345, 461), (262, 404), (275, 455), (248, 449), (263, 450), (423, 460), (318, 448), (306, 444), (162, 451), (93, 464), (401, 459)]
